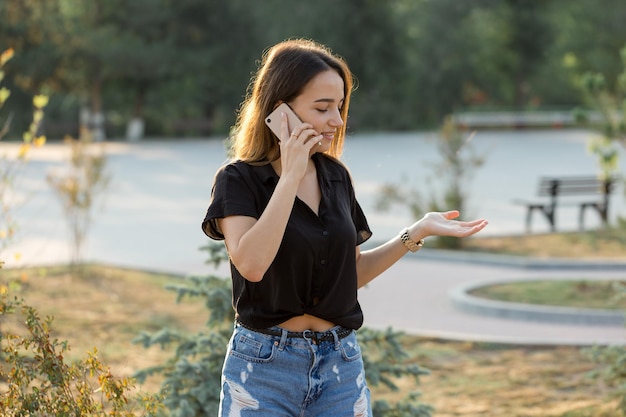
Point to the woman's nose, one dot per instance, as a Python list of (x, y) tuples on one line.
[(336, 120)]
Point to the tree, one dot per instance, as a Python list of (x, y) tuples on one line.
[(151, 50), (174, 63), (608, 97), (10, 166), (590, 33), (457, 165), (79, 189), (528, 39), (27, 29)]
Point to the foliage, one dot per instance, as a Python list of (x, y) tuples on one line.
[(36, 380), (385, 360), (79, 189), (455, 169), (10, 166), (457, 164), (608, 98), (613, 361), (416, 60), (529, 37), (192, 375), (606, 154), (191, 385)]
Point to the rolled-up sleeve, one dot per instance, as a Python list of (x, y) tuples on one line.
[(231, 195)]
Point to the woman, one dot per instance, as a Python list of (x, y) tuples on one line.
[(286, 208)]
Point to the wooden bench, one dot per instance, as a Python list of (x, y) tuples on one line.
[(597, 190)]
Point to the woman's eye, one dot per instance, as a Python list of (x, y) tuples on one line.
[(322, 110)]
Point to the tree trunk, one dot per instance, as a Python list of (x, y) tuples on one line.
[(136, 125), (97, 115)]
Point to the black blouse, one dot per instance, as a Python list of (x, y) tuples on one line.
[(314, 271)]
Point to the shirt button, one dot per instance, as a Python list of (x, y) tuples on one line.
[(323, 261), (325, 233)]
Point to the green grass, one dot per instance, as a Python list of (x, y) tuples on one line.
[(567, 293)]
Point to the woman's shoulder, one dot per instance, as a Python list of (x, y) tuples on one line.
[(234, 165), (243, 169)]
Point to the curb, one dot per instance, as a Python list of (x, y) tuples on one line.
[(512, 261), (462, 300), (521, 262)]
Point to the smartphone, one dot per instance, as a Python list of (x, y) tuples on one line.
[(273, 120)]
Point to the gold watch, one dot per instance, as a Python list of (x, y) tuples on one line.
[(410, 244)]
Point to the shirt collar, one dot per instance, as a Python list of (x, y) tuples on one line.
[(266, 173)]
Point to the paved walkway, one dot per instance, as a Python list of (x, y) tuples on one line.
[(160, 190)]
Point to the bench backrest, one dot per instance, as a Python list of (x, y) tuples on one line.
[(554, 187)]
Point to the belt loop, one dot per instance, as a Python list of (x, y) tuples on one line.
[(309, 336), (336, 337), (283, 339)]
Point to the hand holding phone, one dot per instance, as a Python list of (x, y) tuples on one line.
[(273, 120)]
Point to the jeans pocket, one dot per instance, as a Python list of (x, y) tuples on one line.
[(350, 349), (245, 346)]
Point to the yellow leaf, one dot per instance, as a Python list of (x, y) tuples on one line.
[(4, 94), (39, 141), (6, 55), (24, 148), (40, 101), (3, 289)]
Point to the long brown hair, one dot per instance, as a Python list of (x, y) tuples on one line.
[(284, 71)]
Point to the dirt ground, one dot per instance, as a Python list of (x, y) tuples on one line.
[(470, 379), (467, 379)]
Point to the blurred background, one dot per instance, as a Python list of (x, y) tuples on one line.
[(160, 81), (165, 68)]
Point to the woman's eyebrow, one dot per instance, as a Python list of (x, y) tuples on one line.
[(327, 100)]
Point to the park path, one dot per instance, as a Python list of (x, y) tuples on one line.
[(160, 189)]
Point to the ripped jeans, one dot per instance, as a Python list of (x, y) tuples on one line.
[(280, 376)]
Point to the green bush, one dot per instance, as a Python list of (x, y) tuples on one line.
[(612, 361), (36, 380)]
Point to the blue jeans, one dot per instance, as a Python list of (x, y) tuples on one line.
[(280, 376)]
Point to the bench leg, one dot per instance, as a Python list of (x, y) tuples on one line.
[(601, 209), (551, 217), (604, 213), (529, 216), (581, 217), (547, 211)]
